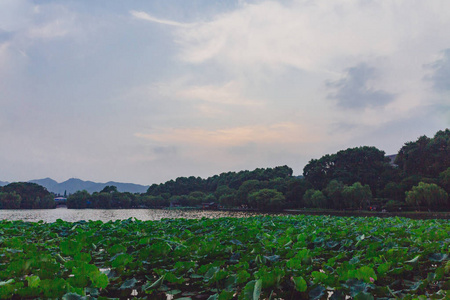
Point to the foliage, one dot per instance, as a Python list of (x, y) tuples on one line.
[(80, 199), (426, 156), (266, 199), (288, 257), (444, 180), (361, 164), (30, 193), (186, 185), (246, 189), (357, 196), (334, 191), (10, 200), (429, 195)]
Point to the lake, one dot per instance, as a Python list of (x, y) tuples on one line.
[(105, 215)]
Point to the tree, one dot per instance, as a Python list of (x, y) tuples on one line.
[(429, 195), (319, 200), (245, 189), (121, 200), (357, 196), (47, 202), (361, 164), (314, 198), (109, 189), (10, 200), (296, 188), (393, 191), (425, 157), (79, 199), (102, 200), (266, 199), (196, 198), (29, 193), (333, 191), (228, 200), (444, 180)]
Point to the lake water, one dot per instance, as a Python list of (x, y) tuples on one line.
[(105, 215)]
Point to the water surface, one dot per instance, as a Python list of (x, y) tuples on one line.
[(105, 215)]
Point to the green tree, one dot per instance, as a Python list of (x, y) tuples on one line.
[(79, 199), (426, 157), (10, 200), (121, 200), (429, 195), (102, 200), (48, 202), (393, 191), (296, 188), (196, 198), (319, 200), (361, 164), (444, 180), (333, 191), (109, 189), (245, 189), (314, 198), (357, 196), (210, 198), (29, 193), (266, 199), (228, 200)]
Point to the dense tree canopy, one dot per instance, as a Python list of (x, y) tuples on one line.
[(427, 156), (32, 195), (427, 195), (362, 164), (349, 179)]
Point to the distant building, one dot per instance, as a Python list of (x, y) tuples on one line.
[(60, 201)]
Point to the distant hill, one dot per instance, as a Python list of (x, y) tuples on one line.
[(72, 185), (3, 183)]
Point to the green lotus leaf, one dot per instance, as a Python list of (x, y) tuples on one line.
[(437, 257), (300, 284), (72, 296), (317, 293), (363, 296)]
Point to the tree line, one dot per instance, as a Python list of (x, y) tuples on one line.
[(355, 178), (25, 195)]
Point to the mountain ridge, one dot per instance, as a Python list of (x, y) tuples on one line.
[(72, 185)]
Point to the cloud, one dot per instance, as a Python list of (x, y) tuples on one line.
[(145, 16), (54, 29), (303, 34), (353, 91), (229, 93), (441, 72), (280, 133)]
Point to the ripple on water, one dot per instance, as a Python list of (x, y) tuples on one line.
[(105, 215)]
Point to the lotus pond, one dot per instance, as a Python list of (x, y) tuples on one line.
[(264, 257)]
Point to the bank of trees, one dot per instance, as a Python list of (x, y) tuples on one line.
[(362, 177), (265, 189), (25, 195), (355, 178)]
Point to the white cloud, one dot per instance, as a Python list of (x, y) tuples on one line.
[(301, 35), (54, 29), (147, 17)]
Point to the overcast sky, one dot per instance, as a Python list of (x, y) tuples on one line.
[(147, 91)]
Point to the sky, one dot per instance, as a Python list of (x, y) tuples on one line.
[(148, 91)]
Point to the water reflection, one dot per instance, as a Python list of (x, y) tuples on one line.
[(105, 215)]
